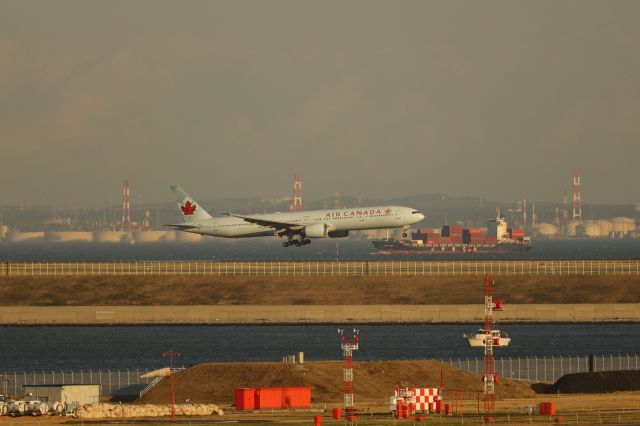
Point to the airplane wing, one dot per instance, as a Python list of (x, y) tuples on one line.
[(183, 225), (278, 226)]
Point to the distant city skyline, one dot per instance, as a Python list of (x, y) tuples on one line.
[(367, 98)]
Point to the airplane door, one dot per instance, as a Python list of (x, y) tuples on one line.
[(397, 214), (306, 219)]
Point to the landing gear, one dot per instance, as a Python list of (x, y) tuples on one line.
[(404, 234), (296, 242)]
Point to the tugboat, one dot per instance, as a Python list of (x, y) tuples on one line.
[(500, 338)]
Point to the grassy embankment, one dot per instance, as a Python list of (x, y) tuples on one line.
[(198, 290)]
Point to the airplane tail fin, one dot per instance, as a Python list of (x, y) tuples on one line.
[(189, 208)]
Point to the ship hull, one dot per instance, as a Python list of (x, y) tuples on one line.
[(400, 247)]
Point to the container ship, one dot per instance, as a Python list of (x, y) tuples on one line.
[(498, 238)]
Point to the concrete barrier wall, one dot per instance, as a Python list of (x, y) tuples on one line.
[(253, 314)]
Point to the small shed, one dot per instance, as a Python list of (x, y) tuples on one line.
[(70, 393)]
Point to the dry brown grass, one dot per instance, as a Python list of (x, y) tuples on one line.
[(374, 381), (78, 291)]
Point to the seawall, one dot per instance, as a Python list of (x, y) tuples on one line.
[(313, 314)]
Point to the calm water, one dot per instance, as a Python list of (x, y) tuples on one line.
[(47, 348), (38, 348), (270, 249)]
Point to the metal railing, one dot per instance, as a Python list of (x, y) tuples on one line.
[(323, 268), (548, 369), (150, 386)]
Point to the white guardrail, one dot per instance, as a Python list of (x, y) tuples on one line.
[(324, 268)]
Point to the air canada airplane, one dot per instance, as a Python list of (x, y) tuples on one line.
[(298, 227)]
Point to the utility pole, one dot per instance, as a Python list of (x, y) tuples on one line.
[(171, 354)]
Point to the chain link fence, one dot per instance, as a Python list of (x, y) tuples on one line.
[(535, 369), (323, 268), (548, 369), (112, 382)]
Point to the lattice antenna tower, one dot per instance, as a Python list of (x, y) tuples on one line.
[(577, 206), (296, 200), (126, 207), (348, 346), (490, 377)]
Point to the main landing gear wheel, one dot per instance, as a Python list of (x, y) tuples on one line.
[(404, 234)]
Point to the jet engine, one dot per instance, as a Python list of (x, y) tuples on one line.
[(317, 230)]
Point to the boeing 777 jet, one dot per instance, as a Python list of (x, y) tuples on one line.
[(298, 227)]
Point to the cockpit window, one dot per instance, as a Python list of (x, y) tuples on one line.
[(415, 212)]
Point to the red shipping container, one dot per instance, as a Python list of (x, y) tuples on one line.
[(476, 230), (262, 398), (245, 399), (268, 398), (296, 397)]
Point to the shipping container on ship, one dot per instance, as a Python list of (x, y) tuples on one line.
[(497, 238)]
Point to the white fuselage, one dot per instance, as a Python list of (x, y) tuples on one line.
[(346, 219)]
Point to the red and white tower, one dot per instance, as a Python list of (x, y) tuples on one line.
[(348, 346), (490, 378), (126, 207), (577, 207), (296, 200)]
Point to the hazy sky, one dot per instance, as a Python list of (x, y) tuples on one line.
[(230, 98)]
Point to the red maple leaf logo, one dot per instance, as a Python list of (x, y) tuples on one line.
[(387, 211), (188, 208)]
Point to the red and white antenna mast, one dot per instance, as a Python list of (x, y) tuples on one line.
[(490, 378), (126, 207), (577, 207), (348, 346), (296, 200)]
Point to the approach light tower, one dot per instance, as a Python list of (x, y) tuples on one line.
[(490, 378), (348, 346), (296, 200)]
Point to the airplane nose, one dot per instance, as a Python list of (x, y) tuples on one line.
[(421, 216)]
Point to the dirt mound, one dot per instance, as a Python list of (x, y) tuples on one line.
[(600, 382), (374, 381)]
